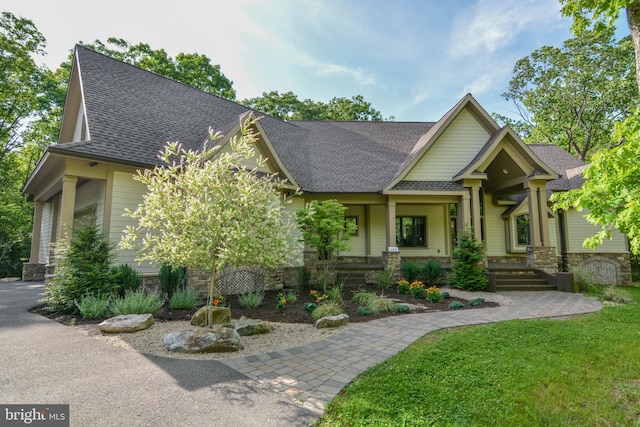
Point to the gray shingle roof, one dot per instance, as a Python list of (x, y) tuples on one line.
[(428, 186), (564, 164)]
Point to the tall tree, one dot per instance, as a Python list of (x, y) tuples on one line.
[(193, 69), (288, 106), (571, 96), (210, 213), (612, 183)]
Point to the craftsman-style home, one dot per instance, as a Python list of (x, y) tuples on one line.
[(409, 187)]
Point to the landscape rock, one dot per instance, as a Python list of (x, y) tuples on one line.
[(220, 316), (332, 321), (216, 340), (127, 323), (246, 327)]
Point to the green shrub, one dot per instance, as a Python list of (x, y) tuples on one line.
[(171, 279), (335, 294), (617, 295), (291, 296), (465, 271), (83, 264), (329, 308), (364, 311), (310, 306), (446, 295), (94, 307), (434, 295), (403, 287), (410, 270), (250, 300), (125, 278), (384, 279), (382, 305), (184, 299), (432, 272), (364, 297), (475, 302), (417, 289), (137, 302), (456, 305), (582, 280), (402, 308)]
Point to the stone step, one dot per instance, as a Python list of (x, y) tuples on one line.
[(524, 287)]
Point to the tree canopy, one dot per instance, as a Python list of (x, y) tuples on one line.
[(288, 106), (571, 96)]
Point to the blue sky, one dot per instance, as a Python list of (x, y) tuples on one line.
[(412, 59)]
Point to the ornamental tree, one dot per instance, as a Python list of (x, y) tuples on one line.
[(206, 210), (466, 272), (325, 228)]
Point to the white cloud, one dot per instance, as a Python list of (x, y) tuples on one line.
[(494, 24), (359, 75)]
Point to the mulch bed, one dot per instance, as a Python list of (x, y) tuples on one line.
[(294, 312)]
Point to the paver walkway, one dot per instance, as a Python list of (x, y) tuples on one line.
[(315, 373), (43, 361)]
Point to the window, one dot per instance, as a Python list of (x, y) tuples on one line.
[(411, 231), (522, 230), (352, 220)]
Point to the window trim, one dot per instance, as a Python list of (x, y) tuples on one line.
[(399, 238)]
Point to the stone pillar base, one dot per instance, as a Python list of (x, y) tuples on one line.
[(33, 271), (393, 261), (543, 258)]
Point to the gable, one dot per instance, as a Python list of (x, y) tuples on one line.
[(73, 126), (452, 150), (251, 163)]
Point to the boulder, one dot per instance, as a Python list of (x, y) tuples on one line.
[(216, 340), (332, 321), (220, 316), (246, 327), (127, 323)]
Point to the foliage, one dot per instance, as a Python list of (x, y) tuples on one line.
[(475, 302), (136, 302), (324, 227), (433, 294), (582, 279), (617, 295), (402, 308), (94, 307), (291, 296), (304, 278), (363, 297), (416, 288), (403, 287), (184, 299), (364, 311), (287, 106), (571, 96), (171, 278), (250, 300), (125, 278), (465, 272), (83, 266), (432, 271), (410, 270), (446, 295), (384, 279), (192, 69), (382, 305), (282, 301), (335, 294), (218, 301), (327, 308), (211, 212), (443, 378), (611, 190), (456, 305), (310, 306)]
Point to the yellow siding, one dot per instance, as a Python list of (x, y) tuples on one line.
[(45, 232), (579, 229), (249, 163), (127, 193), (494, 228), (378, 230), (296, 204), (452, 151), (437, 229), (357, 243), (553, 235)]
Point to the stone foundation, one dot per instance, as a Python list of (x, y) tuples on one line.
[(605, 268), (508, 259), (393, 261), (33, 272), (272, 279), (543, 258)]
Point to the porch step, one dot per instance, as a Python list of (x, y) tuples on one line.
[(521, 280)]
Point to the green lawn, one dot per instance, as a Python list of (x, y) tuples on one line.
[(582, 371)]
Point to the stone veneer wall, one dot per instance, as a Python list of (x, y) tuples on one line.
[(543, 258), (393, 261), (33, 272), (606, 268), (199, 279), (508, 259)]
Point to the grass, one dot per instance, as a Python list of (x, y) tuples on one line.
[(579, 371)]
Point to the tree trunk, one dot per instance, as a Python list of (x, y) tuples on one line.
[(212, 288), (633, 19)]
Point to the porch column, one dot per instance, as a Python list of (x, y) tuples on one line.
[(34, 255), (391, 224), (476, 216), (536, 219), (67, 205), (464, 211)]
